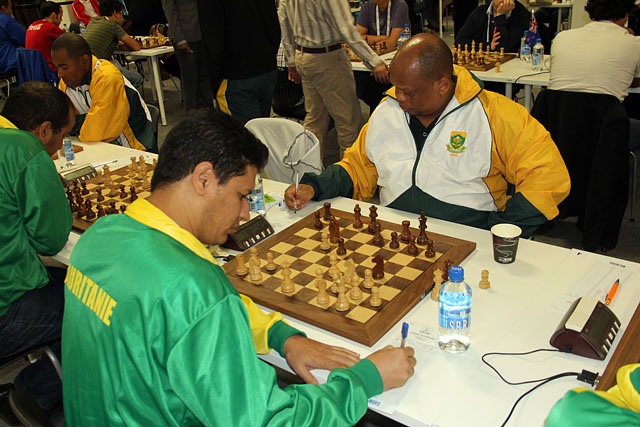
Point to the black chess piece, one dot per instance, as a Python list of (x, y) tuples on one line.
[(123, 192), (405, 234), (412, 249), (357, 222), (378, 269), (90, 213), (377, 239), (394, 241), (134, 196), (327, 211), (430, 253), (100, 197), (341, 249), (84, 191), (373, 214), (317, 224)]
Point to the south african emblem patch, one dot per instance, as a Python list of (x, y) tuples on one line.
[(456, 143)]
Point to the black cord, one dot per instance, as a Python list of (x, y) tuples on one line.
[(516, 354), (529, 75)]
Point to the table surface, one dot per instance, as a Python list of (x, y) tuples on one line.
[(153, 51), (516, 314)]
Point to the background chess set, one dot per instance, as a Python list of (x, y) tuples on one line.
[(132, 176), (406, 279), (480, 60)]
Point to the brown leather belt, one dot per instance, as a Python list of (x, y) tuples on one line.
[(319, 49)]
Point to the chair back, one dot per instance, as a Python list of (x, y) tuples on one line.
[(33, 66), (292, 149), (155, 115), (592, 133)]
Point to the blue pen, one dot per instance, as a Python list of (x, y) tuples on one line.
[(405, 332)]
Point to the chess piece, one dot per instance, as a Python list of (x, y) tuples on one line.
[(501, 53), (253, 253), (271, 265), (325, 245), (123, 193), (112, 208), (327, 211), (373, 214), (334, 230), (368, 278), (317, 224), (123, 208), (335, 278), (100, 197), (422, 237), (355, 293), (90, 213), (287, 285), (322, 297), (378, 269), (72, 205), (375, 300), (405, 234), (241, 268), (134, 196), (437, 282), (341, 303), (145, 181), (154, 162), (484, 280), (412, 249), (106, 173), (84, 191), (497, 66), (341, 249), (430, 253), (394, 241), (101, 211), (357, 222), (254, 269), (447, 265), (377, 238), (350, 270)]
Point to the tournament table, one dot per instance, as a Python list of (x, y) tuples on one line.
[(518, 313)]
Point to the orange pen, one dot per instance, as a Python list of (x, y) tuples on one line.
[(612, 292)]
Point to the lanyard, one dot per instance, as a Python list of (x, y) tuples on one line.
[(388, 19)]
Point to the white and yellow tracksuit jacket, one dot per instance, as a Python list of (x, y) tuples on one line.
[(486, 161)]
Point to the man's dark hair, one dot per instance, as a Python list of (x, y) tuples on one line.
[(601, 10), (434, 59), (75, 45), (109, 7), (34, 103), (208, 136), (48, 8)]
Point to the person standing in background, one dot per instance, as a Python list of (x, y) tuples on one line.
[(42, 33), (12, 36)]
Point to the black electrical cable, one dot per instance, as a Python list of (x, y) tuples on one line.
[(516, 354)]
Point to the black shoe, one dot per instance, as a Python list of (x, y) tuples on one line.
[(6, 414)]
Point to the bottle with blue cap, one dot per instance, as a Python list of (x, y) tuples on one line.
[(455, 313)]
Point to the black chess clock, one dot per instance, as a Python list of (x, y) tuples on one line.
[(249, 234), (81, 173)]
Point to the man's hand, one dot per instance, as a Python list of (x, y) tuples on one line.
[(503, 6), (184, 47), (304, 354), (381, 74), (495, 39), (294, 76), (299, 199), (395, 365)]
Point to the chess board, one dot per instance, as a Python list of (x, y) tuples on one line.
[(377, 49), (119, 177), (407, 278), (490, 63)]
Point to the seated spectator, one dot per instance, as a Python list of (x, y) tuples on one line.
[(379, 21), (108, 107), (41, 34), (105, 34), (12, 37), (36, 220), (500, 23), (84, 10), (438, 143)]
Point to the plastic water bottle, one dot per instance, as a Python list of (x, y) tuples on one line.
[(69, 155), (537, 56), (455, 313), (407, 31), (256, 198), (525, 49), (82, 28), (65, 28)]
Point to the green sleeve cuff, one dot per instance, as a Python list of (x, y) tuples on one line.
[(334, 181), (279, 333), (368, 374), (521, 212)]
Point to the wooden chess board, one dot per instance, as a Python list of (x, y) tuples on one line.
[(407, 278), (491, 63), (378, 50), (119, 177)]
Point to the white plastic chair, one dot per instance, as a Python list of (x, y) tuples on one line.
[(292, 149)]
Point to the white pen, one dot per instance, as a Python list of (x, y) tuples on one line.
[(295, 206)]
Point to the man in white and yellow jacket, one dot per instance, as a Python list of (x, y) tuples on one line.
[(441, 144), (108, 107)]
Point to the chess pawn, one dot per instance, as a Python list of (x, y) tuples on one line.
[(325, 245), (287, 286), (112, 208), (335, 279), (377, 238), (355, 293), (322, 297), (501, 53), (123, 192), (101, 212), (404, 236), (241, 269), (271, 265), (90, 213), (357, 222), (484, 280), (375, 300), (430, 253), (317, 224), (254, 267), (341, 249), (368, 279), (134, 196), (412, 249), (497, 66), (84, 191), (145, 182), (100, 197), (123, 208), (437, 283), (341, 303), (327, 211), (394, 241)]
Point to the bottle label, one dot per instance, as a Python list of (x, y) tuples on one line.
[(256, 200), (455, 310), (69, 155)]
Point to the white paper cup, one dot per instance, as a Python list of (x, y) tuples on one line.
[(505, 242)]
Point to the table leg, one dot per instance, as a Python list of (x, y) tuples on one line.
[(527, 97), (440, 14), (508, 90), (158, 83), (153, 92), (559, 20)]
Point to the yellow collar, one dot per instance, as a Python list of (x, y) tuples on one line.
[(6, 124), (146, 213)]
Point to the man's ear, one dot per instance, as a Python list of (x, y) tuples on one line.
[(43, 132), (443, 85), (204, 179)]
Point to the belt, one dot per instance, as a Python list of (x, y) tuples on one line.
[(319, 49)]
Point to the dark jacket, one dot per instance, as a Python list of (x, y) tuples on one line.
[(511, 29)]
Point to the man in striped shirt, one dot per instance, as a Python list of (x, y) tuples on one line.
[(312, 34)]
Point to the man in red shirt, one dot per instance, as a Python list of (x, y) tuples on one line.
[(41, 34)]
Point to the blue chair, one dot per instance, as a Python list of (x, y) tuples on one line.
[(33, 66)]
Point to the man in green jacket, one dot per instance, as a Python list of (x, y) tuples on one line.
[(36, 220), (165, 338)]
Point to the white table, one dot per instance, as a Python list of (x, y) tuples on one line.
[(152, 56), (516, 314)]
